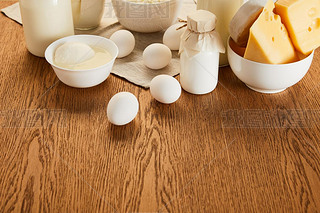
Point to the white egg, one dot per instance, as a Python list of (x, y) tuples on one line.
[(122, 108), (125, 42), (157, 56), (171, 37), (165, 89), (71, 53)]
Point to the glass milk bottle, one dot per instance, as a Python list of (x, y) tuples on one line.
[(224, 10), (87, 14), (199, 53), (45, 21)]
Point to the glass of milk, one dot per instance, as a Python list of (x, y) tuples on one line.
[(224, 10), (45, 21), (87, 14)]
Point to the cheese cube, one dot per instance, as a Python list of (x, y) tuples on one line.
[(269, 41), (302, 19)]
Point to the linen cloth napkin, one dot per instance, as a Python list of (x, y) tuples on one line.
[(130, 67)]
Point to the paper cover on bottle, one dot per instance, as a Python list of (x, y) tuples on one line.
[(200, 34)]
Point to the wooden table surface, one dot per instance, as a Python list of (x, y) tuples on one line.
[(231, 150)]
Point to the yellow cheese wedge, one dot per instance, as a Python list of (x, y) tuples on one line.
[(269, 41), (302, 19)]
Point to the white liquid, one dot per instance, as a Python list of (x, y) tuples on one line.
[(199, 74), (224, 10), (87, 14), (45, 21), (100, 58)]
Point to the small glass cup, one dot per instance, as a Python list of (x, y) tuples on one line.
[(87, 14)]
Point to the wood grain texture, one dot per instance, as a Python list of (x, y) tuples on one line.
[(233, 150)]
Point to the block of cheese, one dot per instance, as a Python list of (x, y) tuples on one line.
[(269, 41), (244, 18), (236, 48), (302, 20)]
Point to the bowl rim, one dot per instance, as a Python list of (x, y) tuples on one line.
[(269, 65), (74, 36)]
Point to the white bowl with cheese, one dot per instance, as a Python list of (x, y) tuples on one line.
[(146, 16), (267, 78), (82, 75)]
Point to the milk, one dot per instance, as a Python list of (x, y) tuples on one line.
[(199, 74), (87, 14), (224, 10), (45, 21)]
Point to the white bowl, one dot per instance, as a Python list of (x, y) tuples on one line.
[(83, 78), (146, 17), (268, 78)]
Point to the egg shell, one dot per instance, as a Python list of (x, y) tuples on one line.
[(125, 42), (165, 89), (157, 56), (122, 108), (171, 37)]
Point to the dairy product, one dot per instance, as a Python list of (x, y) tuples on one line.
[(100, 58), (87, 14), (74, 56), (243, 20), (73, 53), (45, 21), (268, 40), (199, 53), (302, 19), (224, 10), (236, 48)]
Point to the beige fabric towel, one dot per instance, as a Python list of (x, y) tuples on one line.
[(13, 12)]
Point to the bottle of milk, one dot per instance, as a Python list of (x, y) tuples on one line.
[(199, 53), (224, 10), (45, 21)]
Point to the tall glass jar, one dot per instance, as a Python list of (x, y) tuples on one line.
[(224, 10), (45, 21), (87, 14)]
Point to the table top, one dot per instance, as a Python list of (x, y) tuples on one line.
[(231, 150)]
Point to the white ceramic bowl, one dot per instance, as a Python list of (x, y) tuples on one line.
[(268, 78), (146, 17), (83, 78)]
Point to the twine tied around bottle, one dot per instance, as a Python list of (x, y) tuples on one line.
[(200, 34)]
